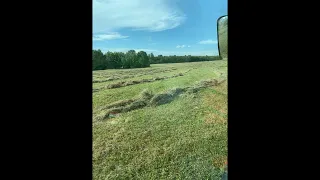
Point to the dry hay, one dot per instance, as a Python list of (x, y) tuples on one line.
[(97, 81), (147, 80), (129, 83), (111, 78), (112, 112), (105, 80), (147, 98), (115, 110), (176, 91), (115, 85), (115, 78), (158, 78), (207, 83), (204, 84), (191, 90), (119, 103), (95, 90), (222, 80), (146, 94), (135, 82), (159, 99), (164, 98), (101, 116), (135, 105)]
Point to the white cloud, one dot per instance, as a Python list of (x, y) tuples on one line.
[(182, 46), (182, 53), (108, 36), (150, 15), (209, 41), (146, 50), (125, 50)]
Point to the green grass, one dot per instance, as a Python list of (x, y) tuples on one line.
[(184, 139)]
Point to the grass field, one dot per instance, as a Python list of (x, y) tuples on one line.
[(182, 138)]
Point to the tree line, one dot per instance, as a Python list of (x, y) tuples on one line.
[(180, 59), (131, 59)]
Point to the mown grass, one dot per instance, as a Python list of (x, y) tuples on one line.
[(184, 139), (204, 70)]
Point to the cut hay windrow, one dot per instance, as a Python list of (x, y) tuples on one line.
[(96, 90), (129, 83), (105, 80), (119, 104), (150, 72), (147, 98)]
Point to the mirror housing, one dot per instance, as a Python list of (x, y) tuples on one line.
[(222, 32)]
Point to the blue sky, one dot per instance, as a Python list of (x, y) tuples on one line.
[(166, 27)]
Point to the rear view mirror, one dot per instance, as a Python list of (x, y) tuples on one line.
[(222, 30)]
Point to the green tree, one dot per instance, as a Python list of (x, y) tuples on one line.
[(114, 60), (110, 58), (143, 59), (130, 59), (117, 59), (151, 58), (160, 58), (98, 60)]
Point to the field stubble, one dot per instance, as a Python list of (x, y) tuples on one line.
[(173, 128)]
